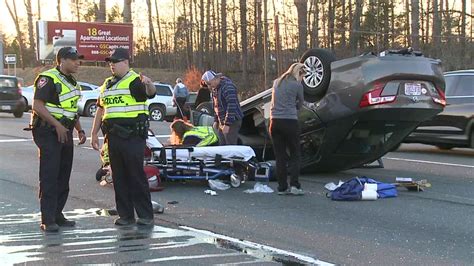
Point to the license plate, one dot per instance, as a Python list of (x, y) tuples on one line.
[(412, 89), (6, 107)]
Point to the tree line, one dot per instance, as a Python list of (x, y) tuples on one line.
[(259, 38)]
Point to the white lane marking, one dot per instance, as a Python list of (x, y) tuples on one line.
[(25, 140), (428, 162), (250, 244), (194, 257), (14, 140)]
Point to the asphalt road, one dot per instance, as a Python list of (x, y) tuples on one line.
[(434, 227)]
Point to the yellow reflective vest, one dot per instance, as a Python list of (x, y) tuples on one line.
[(206, 134), (68, 96), (117, 100)]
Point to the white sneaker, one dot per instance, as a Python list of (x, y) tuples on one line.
[(296, 191)]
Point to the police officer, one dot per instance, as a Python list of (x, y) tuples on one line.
[(186, 134), (54, 117), (123, 115)]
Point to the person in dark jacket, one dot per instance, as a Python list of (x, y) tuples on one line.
[(228, 115), (287, 99)]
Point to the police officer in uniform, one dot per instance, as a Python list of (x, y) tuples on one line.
[(123, 115), (54, 117), (184, 133)]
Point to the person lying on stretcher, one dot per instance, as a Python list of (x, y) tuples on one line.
[(184, 133)]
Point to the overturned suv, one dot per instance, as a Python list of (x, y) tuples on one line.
[(356, 109)]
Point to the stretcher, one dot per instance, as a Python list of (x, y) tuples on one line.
[(235, 162)]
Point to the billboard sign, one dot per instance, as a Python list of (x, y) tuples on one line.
[(93, 40)]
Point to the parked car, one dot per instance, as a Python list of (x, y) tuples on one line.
[(11, 100), (87, 104), (189, 104), (356, 109), (161, 106), (27, 93), (454, 127)]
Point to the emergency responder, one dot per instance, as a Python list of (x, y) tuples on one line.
[(123, 114), (54, 117), (183, 133)]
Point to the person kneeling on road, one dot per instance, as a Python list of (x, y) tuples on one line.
[(183, 133)]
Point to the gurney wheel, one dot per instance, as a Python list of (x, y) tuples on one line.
[(235, 180)]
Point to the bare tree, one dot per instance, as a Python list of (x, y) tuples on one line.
[(415, 24), (101, 12), (160, 37), (331, 15), (59, 10), (302, 10), (30, 26), (127, 11), (19, 35), (354, 36), (436, 32), (314, 40), (343, 24), (39, 9), (151, 34), (407, 24), (243, 33), (463, 28), (235, 27), (224, 33), (201, 35)]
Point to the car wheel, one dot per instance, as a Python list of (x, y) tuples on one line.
[(317, 63), (205, 107), (444, 147), (26, 104), (90, 109), (18, 114), (472, 138), (157, 113)]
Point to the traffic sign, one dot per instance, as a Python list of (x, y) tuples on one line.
[(10, 58)]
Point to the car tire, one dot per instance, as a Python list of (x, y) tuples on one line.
[(317, 64), (18, 114), (27, 108), (472, 138), (157, 113), (205, 107), (444, 147), (90, 109)]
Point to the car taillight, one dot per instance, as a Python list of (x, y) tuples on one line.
[(374, 97), (440, 97)]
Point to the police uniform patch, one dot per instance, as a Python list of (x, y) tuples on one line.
[(41, 82)]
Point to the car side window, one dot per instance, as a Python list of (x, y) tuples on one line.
[(163, 90), (465, 86), (451, 85), (85, 88)]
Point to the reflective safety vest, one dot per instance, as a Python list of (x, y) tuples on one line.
[(68, 96), (206, 134), (117, 100)]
